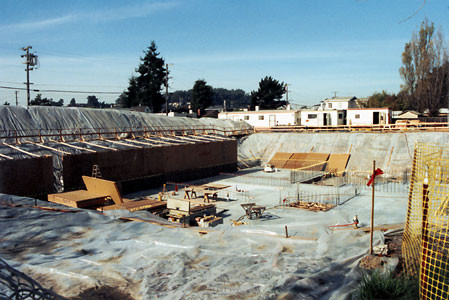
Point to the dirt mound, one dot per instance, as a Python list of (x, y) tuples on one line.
[(102, 293)]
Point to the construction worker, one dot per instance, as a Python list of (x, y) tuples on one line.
[(355, 220)]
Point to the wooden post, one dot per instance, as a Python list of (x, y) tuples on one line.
[(425, 243), (286, 232), (372, 210)]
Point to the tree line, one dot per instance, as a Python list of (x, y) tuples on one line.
[(151, 77), (92, 101)]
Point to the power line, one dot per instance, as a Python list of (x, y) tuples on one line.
[(73, 85), (59, 91)]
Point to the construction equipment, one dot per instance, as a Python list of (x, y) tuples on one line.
[(253, 210), (269, 168), (185, 211), (209, 192)]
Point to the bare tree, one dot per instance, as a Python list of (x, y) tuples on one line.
[(425, 70)]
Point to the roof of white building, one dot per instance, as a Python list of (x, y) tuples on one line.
[(268, 111), (370, 108), (322, 110), (340, 99)]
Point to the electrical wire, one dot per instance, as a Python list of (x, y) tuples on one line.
[(59, 91), (72, 85)]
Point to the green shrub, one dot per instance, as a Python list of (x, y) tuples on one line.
[(384, 285)]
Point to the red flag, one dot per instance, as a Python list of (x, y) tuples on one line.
[(376, 173)]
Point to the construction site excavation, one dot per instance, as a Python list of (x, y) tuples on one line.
[(155, 207)]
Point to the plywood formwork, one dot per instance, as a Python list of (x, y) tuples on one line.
[(336, 163), (280, 159), (333, 163), (316, 161), (137, 164), (27, 177), (309, 161), (135, 205), (98, 191), (295, 161), (103, 187), (78, 199)]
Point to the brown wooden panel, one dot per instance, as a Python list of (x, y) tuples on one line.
[(27, 177), (80, 198), (280, 159), (303, 160), (317, 157), (337, 163), (103, 187), (133, 164)]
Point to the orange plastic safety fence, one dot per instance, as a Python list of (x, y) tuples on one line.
[(425, 243)]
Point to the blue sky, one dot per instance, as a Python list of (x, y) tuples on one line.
[(352, 47)]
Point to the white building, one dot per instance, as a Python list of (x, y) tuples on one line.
[(264, 118), (330, 117), (340, 103), (368, 116)]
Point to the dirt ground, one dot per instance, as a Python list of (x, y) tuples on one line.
[(102, 293), (394, 242)]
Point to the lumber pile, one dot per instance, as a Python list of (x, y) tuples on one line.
[(312, 206)]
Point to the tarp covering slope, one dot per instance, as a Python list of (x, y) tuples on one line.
[(391, 151), (42, 117)]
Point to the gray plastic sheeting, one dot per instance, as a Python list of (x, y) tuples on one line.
[(51, 119), (46, 118), (74, 251)]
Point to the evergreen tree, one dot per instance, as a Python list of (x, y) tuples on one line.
[(269, 94), (92, 101), (201, 95), (145, 88), (38, 100)]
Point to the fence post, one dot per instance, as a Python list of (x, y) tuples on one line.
[(372, 210)]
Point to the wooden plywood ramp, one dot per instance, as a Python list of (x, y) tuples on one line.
[(335, 163), (96, 196), (280, 159)]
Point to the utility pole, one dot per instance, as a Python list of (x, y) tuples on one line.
[(286, 92), (17, 101), (31, 60)]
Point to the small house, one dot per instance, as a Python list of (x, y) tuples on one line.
[(264, 118), (368, 116), (340, 103), (331, 117)]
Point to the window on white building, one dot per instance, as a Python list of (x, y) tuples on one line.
[(261, 118), (245, 117), (311, 116), (329, 105), (340, 116), (357, 116)]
